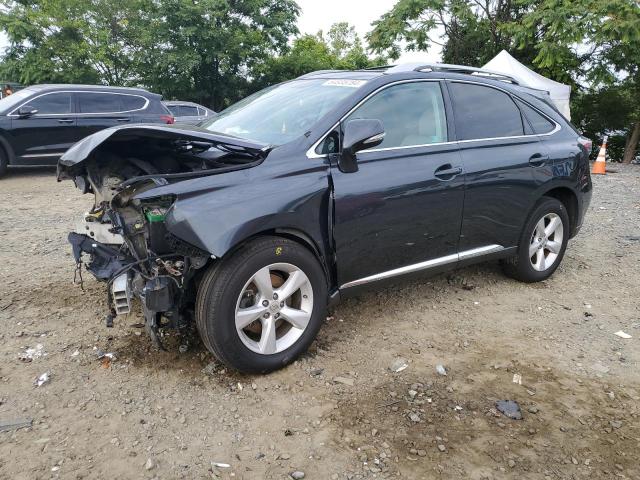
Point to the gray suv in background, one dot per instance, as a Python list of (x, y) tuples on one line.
[(188, 112)]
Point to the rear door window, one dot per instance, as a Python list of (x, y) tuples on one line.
[(484, 112), (412, 114), (188, 111), (52, 103), (97, 102)]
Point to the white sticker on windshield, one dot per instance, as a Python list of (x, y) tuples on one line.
[(344, 83)]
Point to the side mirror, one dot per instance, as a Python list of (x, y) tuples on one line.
[(27, 111), (359, 134)]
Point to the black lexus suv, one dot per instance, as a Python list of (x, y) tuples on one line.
[(39, 123), (251, 224)]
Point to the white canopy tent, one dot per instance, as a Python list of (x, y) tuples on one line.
[(559, 92)]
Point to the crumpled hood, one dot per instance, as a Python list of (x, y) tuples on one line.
[(83, 150)]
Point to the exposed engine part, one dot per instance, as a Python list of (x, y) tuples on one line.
[(124, 240), (121, 294), (99, 231), (159, 293), (105, 261), (174, 268)]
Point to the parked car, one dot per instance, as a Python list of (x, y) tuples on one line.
[(308, 191), (188, 112), (39, 123)]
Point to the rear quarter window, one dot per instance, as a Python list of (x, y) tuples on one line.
[(484, 112), (539, 123), (133, 102)]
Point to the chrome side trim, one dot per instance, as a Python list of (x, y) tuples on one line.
[(311, 153), (436, 262), (79, 114), (38, 155), (375, 138), (479, 252), (404, 147)]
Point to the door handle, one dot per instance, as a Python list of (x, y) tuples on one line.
[(123, 119), (538, 160), (65, 120), (447, 172)]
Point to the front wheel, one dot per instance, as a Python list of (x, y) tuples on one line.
[(542, 243), (259, 309)]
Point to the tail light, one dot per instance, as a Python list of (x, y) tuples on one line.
[(168, 119), (587, 143)]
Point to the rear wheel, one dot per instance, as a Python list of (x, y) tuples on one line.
[(542, 244), (263, 306)]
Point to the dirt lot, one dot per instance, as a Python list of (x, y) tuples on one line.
[(150, 414)]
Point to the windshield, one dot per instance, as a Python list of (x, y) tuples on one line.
[(11, 101), (278, 114)]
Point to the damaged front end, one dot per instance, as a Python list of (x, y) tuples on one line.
[(124, 240)]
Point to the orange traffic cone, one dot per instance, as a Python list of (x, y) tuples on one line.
[(599, 167)]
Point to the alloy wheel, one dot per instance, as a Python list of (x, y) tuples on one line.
[(274, 308), (546, 242)]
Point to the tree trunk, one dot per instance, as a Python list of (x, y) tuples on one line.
[(632, 144)]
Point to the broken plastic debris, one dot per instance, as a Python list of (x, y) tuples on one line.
[(75, 354), (42, 379), (109, 355), (6, 425), (509, 409), (622, 334), (398, 365), (30, 353), (220, 465), (517, 378), (441, 370)]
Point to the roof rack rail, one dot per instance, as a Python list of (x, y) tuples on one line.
[(318, 72), (377, 67), (445, 67)]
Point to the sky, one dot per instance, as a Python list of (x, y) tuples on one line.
[(321, 14)]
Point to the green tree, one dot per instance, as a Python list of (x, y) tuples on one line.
[(604, 37), (203, 51), (340, 49), (208, 50), (469, 31), (72, 40)]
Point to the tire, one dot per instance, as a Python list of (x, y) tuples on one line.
[(233, 290), (4, 162), (551, 246)]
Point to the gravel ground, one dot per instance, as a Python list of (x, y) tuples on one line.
[(339, 412)]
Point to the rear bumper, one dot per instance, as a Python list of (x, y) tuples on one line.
[(584, 200)]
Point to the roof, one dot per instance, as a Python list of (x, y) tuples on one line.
[(346, 74), (183, 102), (422, 67), (73, 86)]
